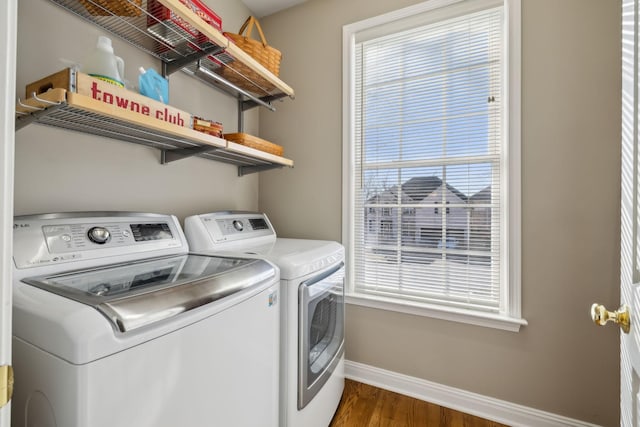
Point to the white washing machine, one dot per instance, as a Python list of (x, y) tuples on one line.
[(312, 307), (117, 325)]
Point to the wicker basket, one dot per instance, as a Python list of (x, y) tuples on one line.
[(113, 7), (254, 142), (242, 75), (266, 55)]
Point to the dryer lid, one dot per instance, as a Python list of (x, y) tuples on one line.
[(297, 258), (136, 294)]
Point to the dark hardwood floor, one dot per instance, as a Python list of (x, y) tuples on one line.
[(363, 405)]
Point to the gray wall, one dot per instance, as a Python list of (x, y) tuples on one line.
[(58, 170), (560, 363)]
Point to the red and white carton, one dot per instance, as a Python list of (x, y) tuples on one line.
[(175, 31)]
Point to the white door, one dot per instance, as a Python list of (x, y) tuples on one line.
[(8, 26), (626, 316)]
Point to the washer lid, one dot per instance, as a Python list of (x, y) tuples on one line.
[(132, 295)]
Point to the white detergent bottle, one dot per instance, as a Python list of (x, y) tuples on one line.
[(102, 64)]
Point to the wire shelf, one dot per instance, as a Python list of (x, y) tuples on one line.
[(139, 23), (173, 147)]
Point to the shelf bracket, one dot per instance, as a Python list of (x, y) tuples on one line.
[(249, 103), (240, 115), (246, 170), (169, 68), (28, 118), (169, 156)]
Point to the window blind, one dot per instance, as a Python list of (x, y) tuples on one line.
[(429, 162)]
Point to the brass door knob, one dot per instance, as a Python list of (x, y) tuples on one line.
[(600, 316)]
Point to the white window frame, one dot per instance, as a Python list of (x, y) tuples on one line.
[(510, 318)]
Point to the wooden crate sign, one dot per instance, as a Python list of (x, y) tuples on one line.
[(130, 101), (112, 96)]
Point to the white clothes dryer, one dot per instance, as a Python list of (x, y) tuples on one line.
[(312, 307), (117, 325)]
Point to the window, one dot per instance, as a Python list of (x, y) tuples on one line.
[(431, 120)]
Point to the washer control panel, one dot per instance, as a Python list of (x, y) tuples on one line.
[(39, 240), (62, 238), (247, 225), (228, 230)]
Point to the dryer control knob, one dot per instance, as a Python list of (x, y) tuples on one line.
[(99, 235)]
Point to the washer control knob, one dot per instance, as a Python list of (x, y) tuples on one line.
[(99, 235), (237, 224)]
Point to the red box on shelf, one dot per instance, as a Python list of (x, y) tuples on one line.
[(208, 15), (172, 29)]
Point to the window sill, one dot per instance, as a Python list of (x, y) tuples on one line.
[(488, 320)]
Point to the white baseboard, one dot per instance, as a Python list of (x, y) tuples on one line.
[(471, 403)]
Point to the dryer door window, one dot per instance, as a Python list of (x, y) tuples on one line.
[(321, 331)]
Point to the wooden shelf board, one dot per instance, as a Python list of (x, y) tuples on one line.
[(252, 152)]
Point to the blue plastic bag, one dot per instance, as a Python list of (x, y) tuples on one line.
[(153, 85)]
